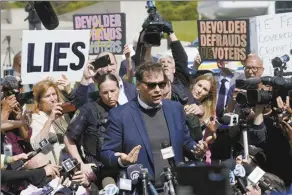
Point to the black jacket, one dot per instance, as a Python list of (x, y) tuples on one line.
[(182, 80)]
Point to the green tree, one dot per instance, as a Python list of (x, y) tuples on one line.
[(177, 10)]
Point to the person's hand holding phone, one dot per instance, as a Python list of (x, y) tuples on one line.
[(127, 51), (56, 112), (88, 73)]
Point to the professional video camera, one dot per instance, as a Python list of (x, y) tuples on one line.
[(11, 86), (253, 95), (151, 34), (152, 26)]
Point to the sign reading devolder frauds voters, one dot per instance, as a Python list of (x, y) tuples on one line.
[(223, 39), (53, 53), (107, 31)]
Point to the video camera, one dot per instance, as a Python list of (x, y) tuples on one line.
[(152, 26), (280, 86), (11, 86), (253, 95)]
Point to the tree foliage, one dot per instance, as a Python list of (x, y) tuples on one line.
[(177, 10)]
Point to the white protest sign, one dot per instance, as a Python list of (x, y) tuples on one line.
[(54, 53), (271, 36)]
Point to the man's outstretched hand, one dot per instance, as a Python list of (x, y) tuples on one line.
[(131, 158)]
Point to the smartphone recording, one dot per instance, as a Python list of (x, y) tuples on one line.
[(101, 62), (68, 107)]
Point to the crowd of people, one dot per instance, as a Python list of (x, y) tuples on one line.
[(122, 117)]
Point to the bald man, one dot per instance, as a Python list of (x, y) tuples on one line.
[(86, 91), (253, 66)]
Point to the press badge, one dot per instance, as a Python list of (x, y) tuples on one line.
[(7, 149)]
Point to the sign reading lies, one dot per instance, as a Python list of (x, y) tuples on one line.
[(53, 53), (108, 31), (223, 39)]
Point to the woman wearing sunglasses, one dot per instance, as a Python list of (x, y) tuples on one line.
[(89, 123)]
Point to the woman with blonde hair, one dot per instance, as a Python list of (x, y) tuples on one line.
[(204, 90), (48, 119)]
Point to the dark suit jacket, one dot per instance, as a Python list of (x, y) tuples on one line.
[(84, 94), (127, 129), (232, 85)]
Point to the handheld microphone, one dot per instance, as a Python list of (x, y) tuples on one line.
[(133, 172), (124, 183), (239, 173), (143, 177), (109, 187), (44, 146), (167, 153), (168, 178), (46, 14)]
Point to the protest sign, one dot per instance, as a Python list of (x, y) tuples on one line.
[(223, 39), (271, 36), (53, 53), (107, 31)]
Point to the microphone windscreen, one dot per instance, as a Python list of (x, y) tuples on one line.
[(164, 144), (106, 181), (46, 14), (10, 82), (133, 172), (53, 139)]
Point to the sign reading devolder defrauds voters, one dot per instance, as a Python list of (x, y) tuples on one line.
[(223, 39), (107, 31), (53, 53)]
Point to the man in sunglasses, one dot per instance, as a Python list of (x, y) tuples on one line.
[(137, 129)]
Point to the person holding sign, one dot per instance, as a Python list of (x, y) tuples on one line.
[(103, 64)]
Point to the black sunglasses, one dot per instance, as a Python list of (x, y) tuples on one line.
[(151, 85)]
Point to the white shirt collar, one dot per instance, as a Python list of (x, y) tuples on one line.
[(145, 106), (222, 77), (121, 84)]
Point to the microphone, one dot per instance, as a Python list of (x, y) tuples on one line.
[(239, 173), (168, 178), (167, 153), (109, 187), (124, 183), (45, 146), (10, 82), (46, 14), (133, 172)]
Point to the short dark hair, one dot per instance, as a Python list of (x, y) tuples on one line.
[(105, 77), (148, 67)]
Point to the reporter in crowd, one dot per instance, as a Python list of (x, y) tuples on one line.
[(227, 144), (48, 120), (140, 142), (16, 135), (56, 177), (6, 160), (86, 91), (90, 122)]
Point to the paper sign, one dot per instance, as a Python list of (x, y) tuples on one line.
[(223, 39), (271, 36), (107, 31), (53, 53)]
